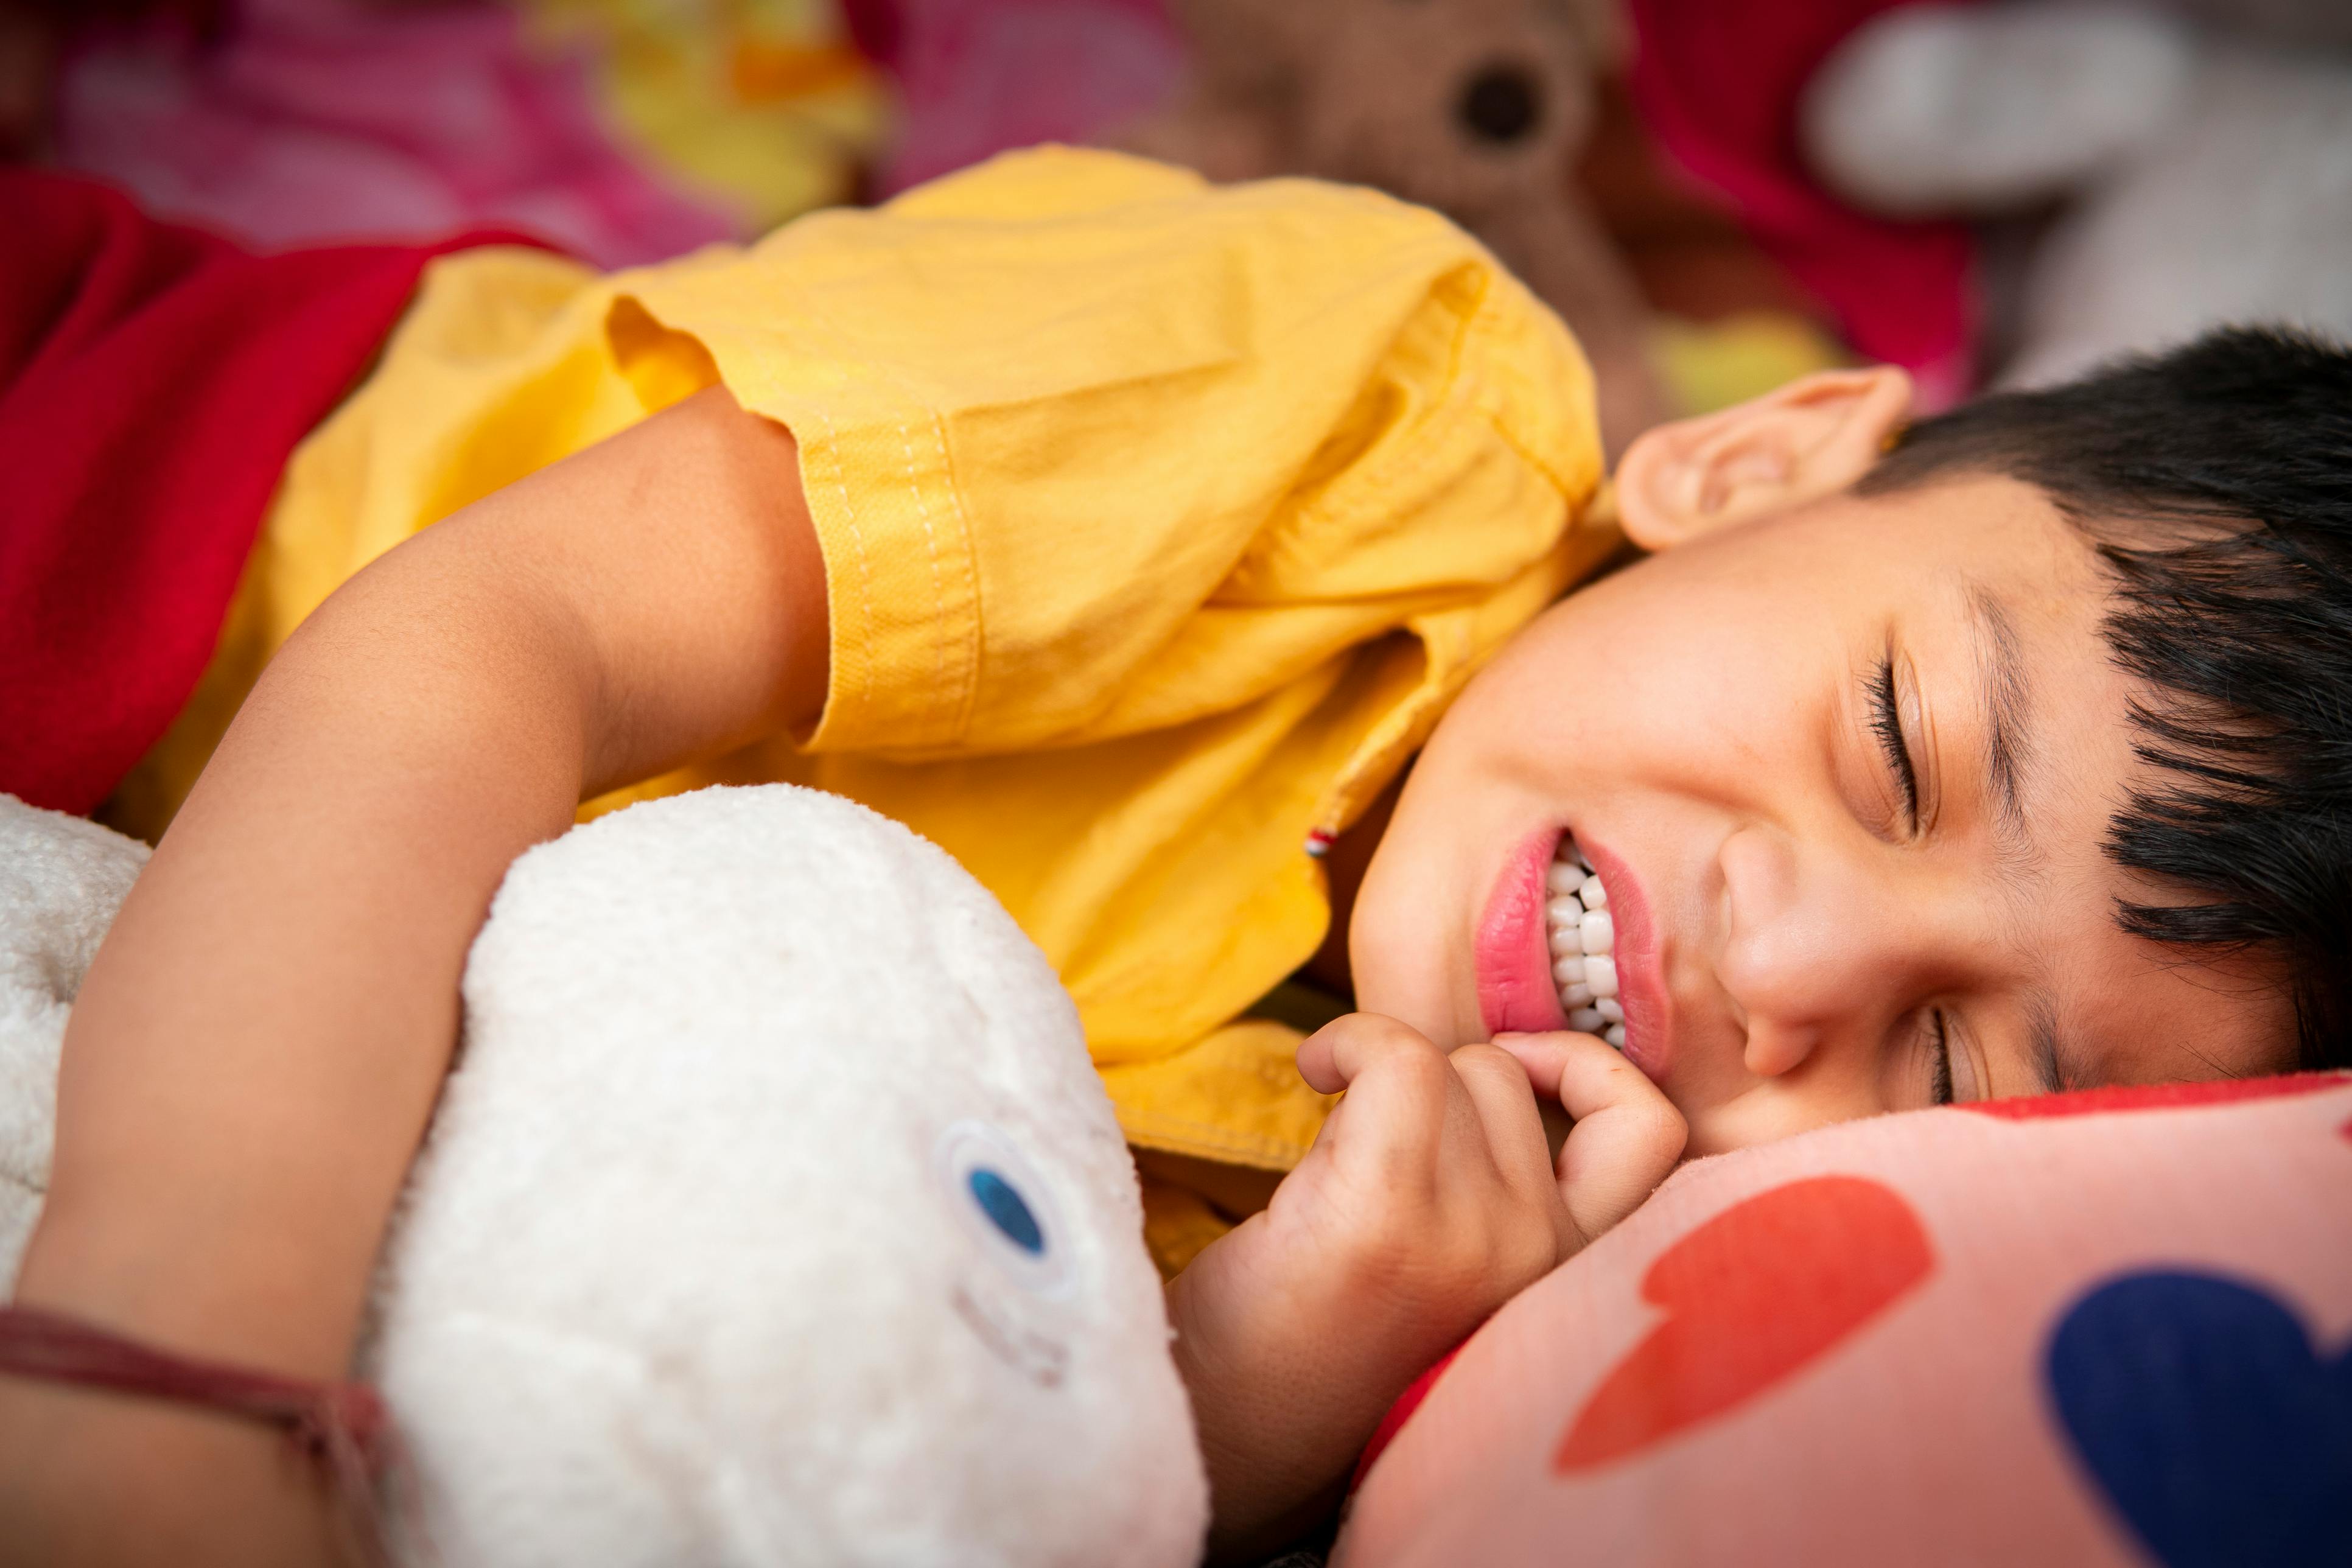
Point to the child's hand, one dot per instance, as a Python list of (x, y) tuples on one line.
[(1429, 1199)]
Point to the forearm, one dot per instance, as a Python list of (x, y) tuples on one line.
[(1289, 1375), (253, 1055), (1269, 1462)]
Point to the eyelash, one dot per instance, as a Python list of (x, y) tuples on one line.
[(1941, 1092), (1887, 725)]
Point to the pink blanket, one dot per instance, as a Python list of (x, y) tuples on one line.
[(312, 122)]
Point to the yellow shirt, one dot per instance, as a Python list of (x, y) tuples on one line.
[(1159, 523)]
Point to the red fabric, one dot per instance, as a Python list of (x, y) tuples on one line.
[(1717, 83), (1757, 1295), (2156, 1097), (153, 381)]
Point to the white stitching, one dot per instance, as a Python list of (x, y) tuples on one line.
[(979, 633), (816, 323), (931, 549)]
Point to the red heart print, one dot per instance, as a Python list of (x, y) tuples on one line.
[(1752, 1297)]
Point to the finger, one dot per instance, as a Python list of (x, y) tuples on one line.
[(1505, 1104), (1397, 1086), (1626, 1138), (1541, 1057), (1335, 1055)]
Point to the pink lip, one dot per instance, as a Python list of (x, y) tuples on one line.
[(1641, 978), (1516, 994)]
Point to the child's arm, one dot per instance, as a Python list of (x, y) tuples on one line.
[(254, 1054), (1429, 1200)]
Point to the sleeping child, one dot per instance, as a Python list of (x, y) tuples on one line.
[(1190, 563)]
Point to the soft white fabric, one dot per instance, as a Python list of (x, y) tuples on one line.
[(61, 879), (692, 1271)]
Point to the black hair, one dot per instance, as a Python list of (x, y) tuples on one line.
[(2215, 483)]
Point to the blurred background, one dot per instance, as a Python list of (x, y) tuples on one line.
[(1719, 194)]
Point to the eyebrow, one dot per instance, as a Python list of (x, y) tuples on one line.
[(2006, 703)]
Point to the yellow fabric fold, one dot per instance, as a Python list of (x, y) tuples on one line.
[(1159, 523)]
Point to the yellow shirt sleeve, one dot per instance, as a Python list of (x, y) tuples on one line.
[(1095, 449), (1159, 523)]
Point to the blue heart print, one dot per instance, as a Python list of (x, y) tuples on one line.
[(2209, 1419)]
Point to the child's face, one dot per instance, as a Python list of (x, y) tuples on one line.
[(1792, 936)]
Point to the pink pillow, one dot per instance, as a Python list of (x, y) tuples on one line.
[(2104, 1328)]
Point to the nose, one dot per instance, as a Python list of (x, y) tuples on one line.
[(1819, 948)]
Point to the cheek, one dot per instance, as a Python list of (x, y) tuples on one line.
[(1412, 935), (1427, 827), (1768, 1112), (1634, 684), (1398, 926)]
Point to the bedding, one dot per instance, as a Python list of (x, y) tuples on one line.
[(153, 379), (2105, 1328)]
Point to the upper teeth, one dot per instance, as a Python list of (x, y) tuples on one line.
[(1583, 938)]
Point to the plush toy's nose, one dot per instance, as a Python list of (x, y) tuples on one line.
[(1501, 104)]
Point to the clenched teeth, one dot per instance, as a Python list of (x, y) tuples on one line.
[(1582, 936)]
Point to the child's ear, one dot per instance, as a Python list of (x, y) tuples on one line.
[(1809, 439)]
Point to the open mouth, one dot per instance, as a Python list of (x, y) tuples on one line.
[(1582, 936)]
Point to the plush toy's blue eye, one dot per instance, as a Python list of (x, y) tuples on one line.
[(1002, 1199), (1005, 1209)]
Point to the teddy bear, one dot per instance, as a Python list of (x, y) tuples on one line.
[(2166, 168), (772, 1212), (1476, 108)]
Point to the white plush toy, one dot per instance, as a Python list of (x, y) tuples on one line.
[(61, 879), (772, 1215), (2199, 152)]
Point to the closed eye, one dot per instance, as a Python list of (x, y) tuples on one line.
[(1887, 725), (1940, 1083)]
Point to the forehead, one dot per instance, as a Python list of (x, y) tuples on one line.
[(2009, 599), (1988, 525)]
